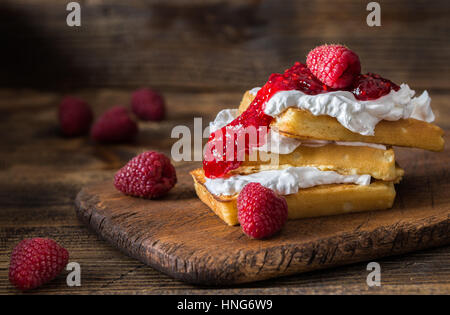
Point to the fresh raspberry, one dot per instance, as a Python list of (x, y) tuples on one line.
[(75, 116), (334, 65), (148, 104), (36, 261), (148, 175), (115, 125), (261, 211), (371, 86)]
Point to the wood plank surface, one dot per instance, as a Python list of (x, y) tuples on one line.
[(41, 173), (202, 54), (215, 45), (180, 236)]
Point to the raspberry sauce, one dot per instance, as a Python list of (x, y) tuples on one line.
[(371, 86), (298, 77), (215, 163)]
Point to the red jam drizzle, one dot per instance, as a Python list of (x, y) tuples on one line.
[(298, 77), (215, 163), (372, 86)]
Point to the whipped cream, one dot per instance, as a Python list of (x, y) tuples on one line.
[(284, 182), (277, 143), (361, 144), (254, 91), (223, 118), (358, 116)]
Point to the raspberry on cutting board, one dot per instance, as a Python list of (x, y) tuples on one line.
[(36, 261), (148, 175), (261, 212), (334, 65)]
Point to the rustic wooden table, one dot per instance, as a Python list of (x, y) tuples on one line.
[(203, 54), (41, 172)]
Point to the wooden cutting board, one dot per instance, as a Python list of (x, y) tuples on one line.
[(181, 237)]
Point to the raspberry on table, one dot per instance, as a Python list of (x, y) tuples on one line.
[(371, 86), (261, 212), (115, 125), (75, 116), (148, 175), (334, 65), (36, 261), (148, 104)]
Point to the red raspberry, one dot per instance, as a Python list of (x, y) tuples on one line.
[(115, 125), (261, 211), (371, 86), (36, 261), (148, 175), (75, 116), (334, 65), (148, 104)]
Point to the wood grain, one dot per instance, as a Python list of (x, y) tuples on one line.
[(203, 56), (180, 236), (41, 172), (214, 45)]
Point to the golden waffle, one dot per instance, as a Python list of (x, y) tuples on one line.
[(346, 160), (302, 124), (311, 202)]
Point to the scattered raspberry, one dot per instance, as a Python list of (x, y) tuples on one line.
[(148, 105), (261, 211), (75, 116), (36, 261), (115, 125), (148, 175), (334, 65), (371, 86)]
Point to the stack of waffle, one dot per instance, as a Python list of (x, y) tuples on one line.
[(360, 170)]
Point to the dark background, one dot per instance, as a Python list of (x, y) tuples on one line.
[(214, 45), (202, 55)]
